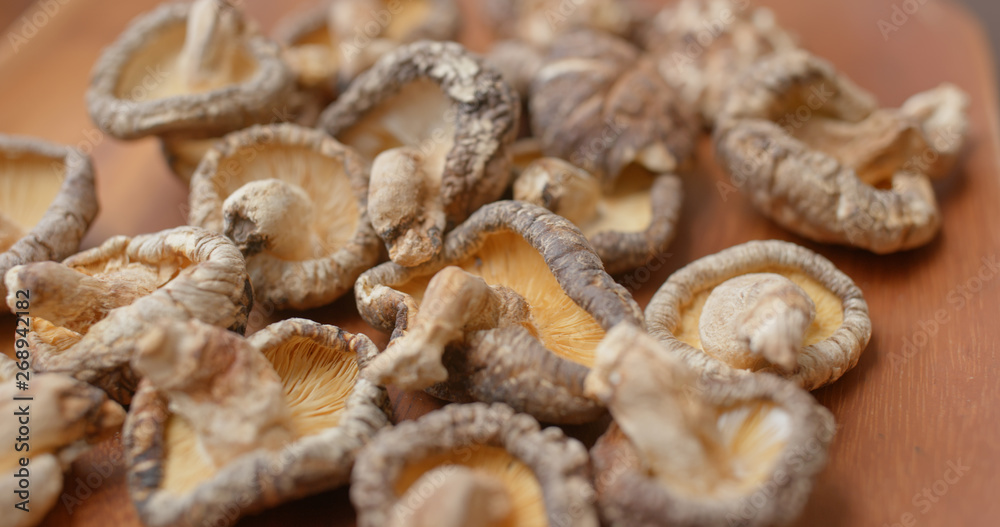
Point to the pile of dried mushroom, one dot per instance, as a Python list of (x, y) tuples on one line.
[(505, 308)]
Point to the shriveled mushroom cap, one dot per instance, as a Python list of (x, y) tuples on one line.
[(702, 46), (543, 473), (685, 453), (545, 267), (332, 414), (141, 85), (599, 103), (295, 202), (832, 342), (540, 22), (437, 122), (47, 201), (813, 152), (89, 311)]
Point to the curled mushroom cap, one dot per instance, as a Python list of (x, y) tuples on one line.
[(89, 312), (814, 153), (436, 122), (763, 306), (510, 311), (684, 453), (222, 423), (469, 465), (629, 224), (540, 22), (65, 417), (329, 45), (47, 203), (702, 46), (295, 202), (187, 72), (599, 103)]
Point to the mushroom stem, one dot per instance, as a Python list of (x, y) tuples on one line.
[(223, 387), (212, 42), (405, 206), (274, 216), (653, 398), (566, 190), (455, 302), (10, 232), (459, 497)]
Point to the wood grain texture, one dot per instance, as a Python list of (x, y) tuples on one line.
[(924, 396)]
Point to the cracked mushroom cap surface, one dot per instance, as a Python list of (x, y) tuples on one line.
[(436, 123), (89, 311), (532, 304), (746, 309), (599, 103), (814, 153), (330, 44), (47, 201), (469, 465), (294, 200), (66, 417), (539, 23), (702, 46), (629, 224), (685, 452), (223, 423)]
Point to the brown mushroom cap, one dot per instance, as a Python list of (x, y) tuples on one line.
[(540, 22), (702, 46), (334, 412), (89, 312), (518, 62), (455, 115), (537, 367), (295, 202), (47, 203), (599, 103), (833, 341), (813, 153), (544, 473)]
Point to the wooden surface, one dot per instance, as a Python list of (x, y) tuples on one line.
[(905, 415)]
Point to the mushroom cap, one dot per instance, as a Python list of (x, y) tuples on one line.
[(765, 420), (177, 274), (462, 434), (63, 177), (319, 459), (834, 341), (545, 259), (483, 118), (540, 22), (146, 53), (599, 103), (814, 153), (335, 179)]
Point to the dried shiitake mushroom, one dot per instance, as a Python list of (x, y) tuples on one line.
[(814, 153), (628, 225), (64, 417), (89, 312), (473, 465), (702, 46), (518, 62), (332, 43), (599, 103), (763, 306), (295, 202), (511, 311), (223, 426), (540, 22), (436, 124), (47, 201), (188, 73), (684, 452)]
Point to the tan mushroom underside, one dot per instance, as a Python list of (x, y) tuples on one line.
[(507, 259), (527, 505), (414, 13), (28, 184), (829, 310), (317, 382), (627, 207)]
